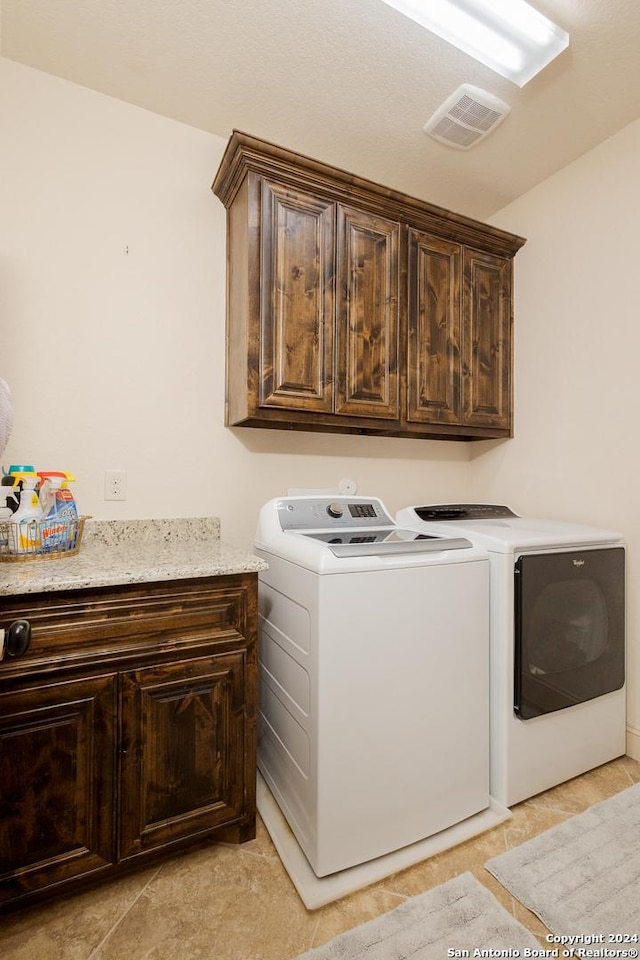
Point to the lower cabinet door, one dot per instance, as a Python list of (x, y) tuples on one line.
[(57, 783), (183, 728)]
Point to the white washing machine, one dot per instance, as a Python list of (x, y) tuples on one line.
[(374, 697), (557, 642)]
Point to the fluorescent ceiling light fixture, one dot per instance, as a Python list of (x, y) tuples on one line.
[(508, 36)]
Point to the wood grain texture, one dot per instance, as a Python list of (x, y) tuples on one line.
[(367, 315), (487, 340), (57, 783), (297, 305), (182, 761), (127, 731), (434, 370), (355, 309)]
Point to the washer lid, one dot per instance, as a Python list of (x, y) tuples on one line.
[(390, 541)]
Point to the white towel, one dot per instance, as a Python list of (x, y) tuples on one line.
[(6, 415)]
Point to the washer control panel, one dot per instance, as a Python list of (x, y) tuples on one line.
[(327, 513)]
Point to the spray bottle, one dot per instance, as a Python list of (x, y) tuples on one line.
[(9, 502), (59, 527), (27, 516)]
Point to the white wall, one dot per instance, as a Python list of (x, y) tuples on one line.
[(112, 274), (575, 454)]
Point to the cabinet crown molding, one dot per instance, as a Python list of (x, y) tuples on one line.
[(246, 153)]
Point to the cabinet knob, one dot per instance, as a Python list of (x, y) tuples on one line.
[(17, 638)]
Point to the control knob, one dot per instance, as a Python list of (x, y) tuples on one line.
[(335, 510)]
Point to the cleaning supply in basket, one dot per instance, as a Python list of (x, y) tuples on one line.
[(56, 498), (19, 468), (59, 527), (26, 519), (9, 496)]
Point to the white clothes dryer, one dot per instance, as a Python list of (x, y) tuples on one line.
[(374, 680), (557, 642)]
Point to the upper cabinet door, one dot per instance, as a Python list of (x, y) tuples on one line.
[(297, 299), (487, 340), (433, 330), (367, 314)]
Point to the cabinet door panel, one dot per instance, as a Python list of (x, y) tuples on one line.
[(433, 344), (57, 776), (183, 736), (297, 300), (367, 314), (487, 340)]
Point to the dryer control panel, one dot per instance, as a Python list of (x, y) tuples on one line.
[(463, 511)]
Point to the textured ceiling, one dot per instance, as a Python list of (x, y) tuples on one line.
[(349, 82)]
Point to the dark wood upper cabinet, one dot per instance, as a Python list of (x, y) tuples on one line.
[(354, 308)]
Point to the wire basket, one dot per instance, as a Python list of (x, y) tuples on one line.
[(40, 539)]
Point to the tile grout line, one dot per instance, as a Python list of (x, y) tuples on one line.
[(125, 914)]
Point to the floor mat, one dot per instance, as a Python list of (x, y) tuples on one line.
[(582, 876), (459, 915)]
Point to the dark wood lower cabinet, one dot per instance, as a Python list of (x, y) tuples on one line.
[(57, 793), (183, 726), (127, 730)]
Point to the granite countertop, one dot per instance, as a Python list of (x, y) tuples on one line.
[(116, 552)]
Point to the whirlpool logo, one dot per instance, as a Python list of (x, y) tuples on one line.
[(578, 563)]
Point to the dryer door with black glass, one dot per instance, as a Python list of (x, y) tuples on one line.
[(569, 629)]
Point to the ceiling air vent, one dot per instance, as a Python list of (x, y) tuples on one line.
[(466, 117)]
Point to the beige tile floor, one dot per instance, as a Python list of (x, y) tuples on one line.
[(220, 902)]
